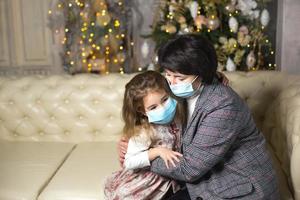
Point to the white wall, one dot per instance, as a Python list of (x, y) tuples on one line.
[(288, 39)]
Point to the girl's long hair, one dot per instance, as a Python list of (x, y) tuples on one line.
[(136, 89)]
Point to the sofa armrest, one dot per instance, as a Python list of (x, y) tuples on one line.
[(282, 131), (293, 112), (295, 173), (293, 135)]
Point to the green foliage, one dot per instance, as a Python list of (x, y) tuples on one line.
[(212, 22)]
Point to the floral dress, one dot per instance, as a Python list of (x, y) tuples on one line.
[(142, 184)]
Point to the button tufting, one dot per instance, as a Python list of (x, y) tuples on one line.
[(38, 101), (15, 133), (67, 101), (67, 132), (80, 116), (81, 87), (41, 133), (96, 101), (11, 102), (110, 116), (25, 87)]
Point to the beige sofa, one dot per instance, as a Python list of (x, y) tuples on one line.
[(58, 134)]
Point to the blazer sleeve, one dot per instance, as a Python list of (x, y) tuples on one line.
[(137, 152), (214, 136)]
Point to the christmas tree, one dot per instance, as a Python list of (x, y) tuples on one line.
[(237, 29), (93, 35)]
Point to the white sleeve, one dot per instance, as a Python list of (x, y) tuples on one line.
[(137, 152)]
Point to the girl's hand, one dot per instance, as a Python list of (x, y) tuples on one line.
[(222, 78), (169, 156)]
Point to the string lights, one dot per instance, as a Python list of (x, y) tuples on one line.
[(93, 35), (236, 29)]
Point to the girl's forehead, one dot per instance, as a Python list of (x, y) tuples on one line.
[(158, 91)]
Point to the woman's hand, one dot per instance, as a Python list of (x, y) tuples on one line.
[(166, 154), (122, 149), (222, 78)]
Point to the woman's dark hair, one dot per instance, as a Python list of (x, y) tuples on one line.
[(189, 54)]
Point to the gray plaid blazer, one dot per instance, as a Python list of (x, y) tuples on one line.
[(224, 154)]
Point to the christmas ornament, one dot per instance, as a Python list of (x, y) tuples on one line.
[(244, 29), (230, 8), (222, 40), (170, 28), (121, 56), (183, 27), (256, 14), (103, 20), (213, 23), (243, 39), (265, 17), (230, 66), (145, 49), (250, 60), (99, 4), (194, 8), (199, 21), (186, 30), (181, 20), (233, 24)]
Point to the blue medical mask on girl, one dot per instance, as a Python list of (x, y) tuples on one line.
[(183, 90), (164, 114)]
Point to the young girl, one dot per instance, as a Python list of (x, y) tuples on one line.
[(153, 121)]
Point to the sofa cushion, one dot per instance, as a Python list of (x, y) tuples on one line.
[(83, 173), (26, 167)]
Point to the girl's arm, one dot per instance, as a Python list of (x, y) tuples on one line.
[(139, 154), (166, 154)]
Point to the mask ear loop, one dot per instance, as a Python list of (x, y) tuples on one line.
[(194, 79), (199, 83)]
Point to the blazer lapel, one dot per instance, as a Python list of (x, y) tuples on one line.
[(200, 104)]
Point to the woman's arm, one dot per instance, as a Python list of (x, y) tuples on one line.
[(167, 155), (208, 147), (139, 154)]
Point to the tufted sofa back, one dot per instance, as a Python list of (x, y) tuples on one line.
[(88, 107), (62, 108)]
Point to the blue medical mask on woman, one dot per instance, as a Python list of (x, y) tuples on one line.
[(164, 114), (183, 90)]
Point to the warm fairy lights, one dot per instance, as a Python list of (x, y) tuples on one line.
[(94, 40), (236, 29)]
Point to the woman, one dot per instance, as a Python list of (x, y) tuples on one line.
[(224, 153)]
